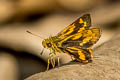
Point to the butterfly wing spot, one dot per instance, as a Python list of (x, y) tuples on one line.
[(81, 20), (81, 29), (81, 55), (70, 30), (85, 40), (77, 36), (84, 22)]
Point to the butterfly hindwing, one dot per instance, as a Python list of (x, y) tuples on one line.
[(90, 37), (82, 55)]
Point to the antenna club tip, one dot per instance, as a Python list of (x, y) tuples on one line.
[(28, 31)]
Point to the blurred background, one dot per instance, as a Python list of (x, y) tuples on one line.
[(20, 52)]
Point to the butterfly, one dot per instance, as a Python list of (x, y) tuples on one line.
[(75, 40)]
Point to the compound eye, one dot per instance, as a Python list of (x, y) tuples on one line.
[(49, 44)]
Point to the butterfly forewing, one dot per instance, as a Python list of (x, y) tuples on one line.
[(79, 25)]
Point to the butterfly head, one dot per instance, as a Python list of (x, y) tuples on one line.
[(47, 43)]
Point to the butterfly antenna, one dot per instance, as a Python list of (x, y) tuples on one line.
[(42, 52), (34, 34)]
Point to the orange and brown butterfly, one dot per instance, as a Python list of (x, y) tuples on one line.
[(75, 40)]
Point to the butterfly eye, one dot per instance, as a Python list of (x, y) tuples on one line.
[(49, 44)]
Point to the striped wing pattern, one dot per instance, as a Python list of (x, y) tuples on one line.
[(77, 39)]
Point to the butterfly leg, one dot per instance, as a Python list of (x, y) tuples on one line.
[(52, 59), (72, 57), (48, 64), (58, 58)]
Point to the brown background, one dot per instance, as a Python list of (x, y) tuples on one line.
[(20, 52)]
